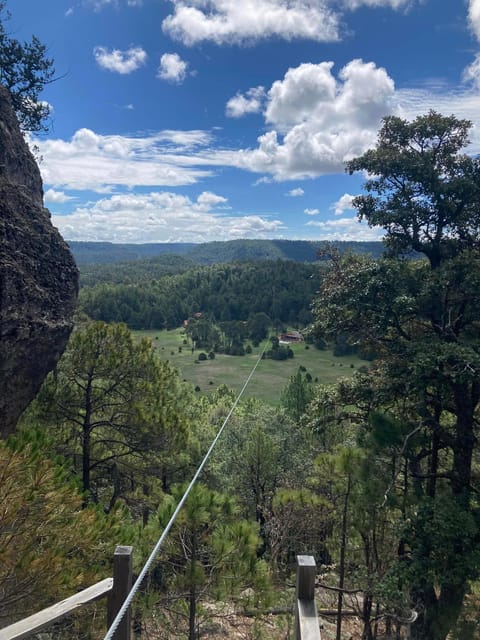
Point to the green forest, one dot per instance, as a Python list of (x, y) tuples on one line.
[(145, 297), (375, 474)]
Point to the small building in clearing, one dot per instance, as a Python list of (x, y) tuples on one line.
[(289, 337)]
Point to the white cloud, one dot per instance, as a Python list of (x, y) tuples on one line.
[(311, 212), (248, 21), (393, 4), (56, 197), (98, 5), (295, 193), (251, 102), (69, 12), (319, 121), (94, 162), (263, 180), (231, 21), (185, 139), (343, 204), (172, 68), (162, 217), (207, 200), (122, 62), (474, 17), (464, 103), (345, 229), (472, 72), (324, 120), (304, 91)]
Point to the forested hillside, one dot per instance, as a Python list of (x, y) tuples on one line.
[(277, 277), (143, 298), (135, 271), (215, 252)]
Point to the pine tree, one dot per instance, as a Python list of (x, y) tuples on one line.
[(209, 557)]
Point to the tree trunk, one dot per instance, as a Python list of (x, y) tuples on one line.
[(342, 559), (192, 596), (366, 615), (86, 442), (192, 606), (449, 607), (86, 459), (375, 626), (465, 403), (433, 464)]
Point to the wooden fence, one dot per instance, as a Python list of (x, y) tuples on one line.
[(115, 589)]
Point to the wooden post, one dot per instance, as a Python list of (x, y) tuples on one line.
[(122, 583), (306, 620), (306, 573)]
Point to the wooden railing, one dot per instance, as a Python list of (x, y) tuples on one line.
[(307, 626), (116, 590)]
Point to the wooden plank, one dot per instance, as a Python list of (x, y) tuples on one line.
[(309, 627), (36, 622)]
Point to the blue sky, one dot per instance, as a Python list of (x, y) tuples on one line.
[(198, 120)]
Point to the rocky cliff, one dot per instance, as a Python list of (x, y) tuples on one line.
[(38, 276)]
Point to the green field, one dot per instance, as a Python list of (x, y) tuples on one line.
[(270, 377)]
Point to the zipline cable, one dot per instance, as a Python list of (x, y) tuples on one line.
[(156, 549)]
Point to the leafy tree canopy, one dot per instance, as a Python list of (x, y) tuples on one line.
[(423, 192), (24, 70), (117, 411)]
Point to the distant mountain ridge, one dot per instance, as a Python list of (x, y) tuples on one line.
[(215, 252)]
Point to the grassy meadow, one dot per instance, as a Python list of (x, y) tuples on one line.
[(270, 377)]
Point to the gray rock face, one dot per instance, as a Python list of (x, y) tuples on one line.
[(38, 277)]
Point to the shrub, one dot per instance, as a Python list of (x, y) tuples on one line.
[(236, 350)]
